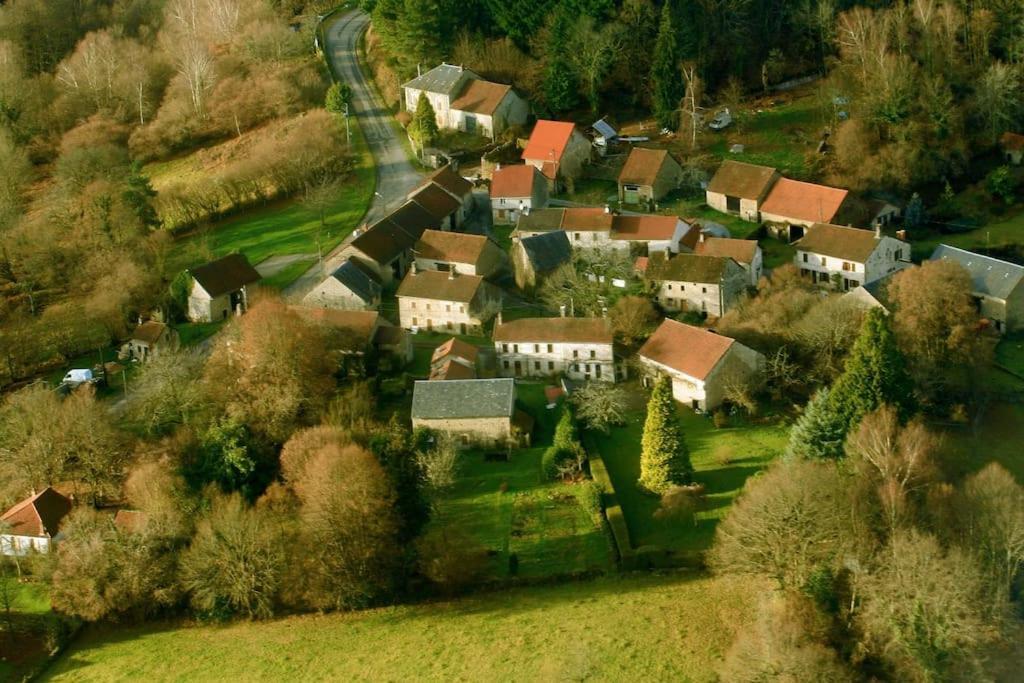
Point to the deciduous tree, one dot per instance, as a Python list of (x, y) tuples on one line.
[(599, 405)]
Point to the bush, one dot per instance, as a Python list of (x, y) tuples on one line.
[(589, 496), (721, 419), (551, 461)]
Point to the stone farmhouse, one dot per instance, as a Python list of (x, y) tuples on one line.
[(558, 150), (747, 253), (448, 302), (699, 362), (516, 190), (578, 348), (464, 101), (648, 175), (793, 206), (468, 254), (353, 285), (436, 193), (360, 333), (474, 412), (454, 359), (997, 286), (33, 525), (689, 282), (148, 340), (602, 228), (219, 288), (851, 257), (535, 257), (739, 188)]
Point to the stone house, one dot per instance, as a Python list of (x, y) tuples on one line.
[(358, 334), (469, 254), (793, 206), (456, 187), (602, 228), (699, 362), (33, 525), (447, 302), (578, 348), (454, 359), (851, 255), (516, 190), (558, 150), (352, 285), (148, 339), (385, 248), (537, 256), (1012, 146), (219, 288), (475, 412), (997, 286), (747, 253), (648, 175), (690, 282), (464, 101), (739, 188)]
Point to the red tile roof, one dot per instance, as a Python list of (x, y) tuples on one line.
[(741, 251), (451, 368), (803, 201), (644, 227), (549, 140), (456, 347), (690, 350), (514, 181), (580, 219), (38, 515), (481, 97), (451, 246)]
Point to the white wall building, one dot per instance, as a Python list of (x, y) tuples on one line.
[(854, 256), (579, 348)]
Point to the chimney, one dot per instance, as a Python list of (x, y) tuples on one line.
[(607, 209), (702, 236), (415, 268), (878, 231), (561, 310), (497, 319)]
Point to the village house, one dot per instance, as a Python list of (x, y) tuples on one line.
[(352, 285), (848, 257), (1012, 145), (516, 190), (436, 194), (474, 412), (793, 206), (700, 363), (648, 175), (148, 340), (557, 150), (651, 234), (598, 228), (220, 288), (689, 282), (579, 348), (747, 253), (454, 359), (464, 101), (739, 188), (997, 286), (469, 254), (447, 302), (385, 248), (537, 256), (353, 333), (33, 525)]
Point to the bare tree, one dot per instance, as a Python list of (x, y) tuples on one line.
[(441, 463), (599, 405)]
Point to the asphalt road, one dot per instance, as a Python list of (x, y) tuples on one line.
[(395, 175)]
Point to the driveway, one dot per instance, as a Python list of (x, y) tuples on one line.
[(395, 175)]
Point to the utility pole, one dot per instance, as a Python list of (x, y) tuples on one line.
[(348, 130)]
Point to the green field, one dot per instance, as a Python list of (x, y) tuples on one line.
[(631, 628), (995, 438), (723, 459), (31, 616)]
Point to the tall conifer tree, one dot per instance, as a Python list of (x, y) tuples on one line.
[(666, 80), (664, 457)]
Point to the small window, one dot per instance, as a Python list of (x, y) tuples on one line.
[(551, 365), (536, 365), (428, 307), (682, 288), (576, 236), (575, 353), (703, 290), (805, 258), (823, 261), (550, 348), (415, 322), (412, 304), (593, 354), (447, 308), (515, 348), (670, 287), (536, 348), (504, 349), (506, 365), (462, 309)]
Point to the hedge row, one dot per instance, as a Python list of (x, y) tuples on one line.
[(612, 509)]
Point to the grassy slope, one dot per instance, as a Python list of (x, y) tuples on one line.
[(672, 627)]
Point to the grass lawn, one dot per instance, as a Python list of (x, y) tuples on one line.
[(190, 334), (995, 438), (722, 458), (637, 628), (509, 508), (30, 614), (287, 275), (776, 252)]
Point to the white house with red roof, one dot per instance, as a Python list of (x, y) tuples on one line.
[(601, 228), (792, 206), (516, 190), (557, 149), (33, 524), (700, 363)]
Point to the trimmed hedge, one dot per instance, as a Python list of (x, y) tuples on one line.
[(612, 509)]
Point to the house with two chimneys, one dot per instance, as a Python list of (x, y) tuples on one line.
[(464, 101), (33, 525), (558, 150), (577, 348), (446, 301), (700, 363), (997, 286), (692, 282), (465, 253), (848, 257), (220, 288), (516, 190), (648, 175), (603, 228), (473, 412)]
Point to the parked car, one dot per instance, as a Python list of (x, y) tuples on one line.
[(77, 377), (723, 119)]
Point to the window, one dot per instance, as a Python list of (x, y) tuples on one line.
[(597, 371), (536, 348), (415, 322), (447, 308), (899, 254), (575, 353), (576, 367), (504, 349), (703, 290), (536, 365), (428, 307), (593, 237), (412, 304), (670, 287), (551, 365), (505, 363), (550, 348), (593, 354), (682, 288), (805, 258), (515, 348), (823, 262), (576, 236), (462, 309), (848, 266), (704, 306)]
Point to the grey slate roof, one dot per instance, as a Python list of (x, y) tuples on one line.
[(441, 79), (357, 280), (547, 251), (988, 275), (464, 398)]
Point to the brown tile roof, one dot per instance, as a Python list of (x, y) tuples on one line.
[(1012, 141), (451, 246), (227, 274), (450, 369), (438, 203), (449, 181), (149, 332), (383, 241), (548, 140), (456, 347), (38, 515), (555, 331), (689, 268), (481, 97), (643, 227), (741, 251), (737, 179), (581, 219), (643, 166), (803, 201), (851, 244), (514, 181), (414, 219), (690, 350), (432, 284)]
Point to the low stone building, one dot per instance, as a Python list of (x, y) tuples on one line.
[(997, 286), (33, 525), (352, 285), (848, 257), (699, 362), (149, 339), (747, 253), (468, 254), (690, 282), (516, 190), (603, 228), (739, 188), (454, 359), (793, 206), (537, 256), (558, 150), (578, 348), (648, 175), (446, 302), (475, 412), (220, 288)]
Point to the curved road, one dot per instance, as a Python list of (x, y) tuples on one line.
[(395, 175)]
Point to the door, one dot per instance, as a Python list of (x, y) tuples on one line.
[(518, 368), (462, 328), (470, 124), (631, 194)]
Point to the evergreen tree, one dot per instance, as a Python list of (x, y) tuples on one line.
[(664, 457), (421, 35), (560, 87), (395, 448), (139, 196), (819, 433), (665, 78), (875, 374), (423, 128)]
